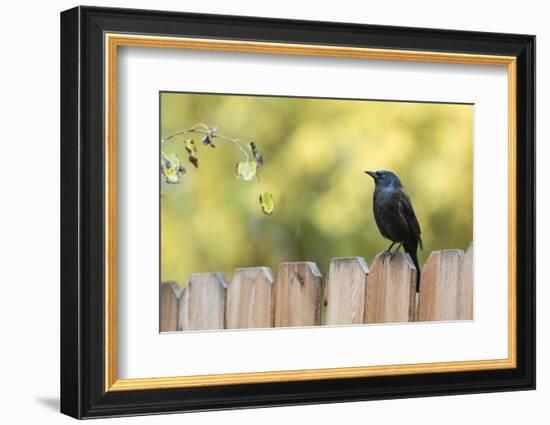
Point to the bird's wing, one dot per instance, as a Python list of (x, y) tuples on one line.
[(407, 213)]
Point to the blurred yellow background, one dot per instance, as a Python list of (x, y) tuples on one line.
[(315, 152)]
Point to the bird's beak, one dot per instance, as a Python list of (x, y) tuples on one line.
[(372, 174)]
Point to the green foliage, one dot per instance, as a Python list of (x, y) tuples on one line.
[(315, 153)]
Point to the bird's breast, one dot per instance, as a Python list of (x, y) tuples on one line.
[(383, 197)]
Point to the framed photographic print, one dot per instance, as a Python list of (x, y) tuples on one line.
[(261, 212)]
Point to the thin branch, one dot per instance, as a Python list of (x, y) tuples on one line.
[(199, 128), (235, 142), (189, 130)]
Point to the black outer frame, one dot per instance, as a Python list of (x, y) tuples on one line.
[(82, 212)]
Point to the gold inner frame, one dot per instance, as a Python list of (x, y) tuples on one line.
[(113, 41)]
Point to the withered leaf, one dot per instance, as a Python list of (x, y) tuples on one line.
[(266, 203), (247, 170), (256, 154), (171, 168), (194, 160), (190, 147)]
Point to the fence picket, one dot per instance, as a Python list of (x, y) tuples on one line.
[(202, 302), (345, 291), (353, 294), (391, 290), (439, 287), (249, 299), (466, 286), (169, 302), (297, 295)]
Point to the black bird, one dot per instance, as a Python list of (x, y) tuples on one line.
[(395, 216)]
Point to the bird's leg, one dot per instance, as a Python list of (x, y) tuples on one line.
[(395, 251), (388, 249)]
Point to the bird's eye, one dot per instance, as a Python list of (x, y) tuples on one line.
[(381, 176)]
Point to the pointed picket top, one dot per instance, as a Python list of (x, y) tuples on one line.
[(391, 289), (202, 302), (297, 295), (345, 291), (439, 286), (249, 299)]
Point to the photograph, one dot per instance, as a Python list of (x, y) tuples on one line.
[(286, 210), (295, 211)]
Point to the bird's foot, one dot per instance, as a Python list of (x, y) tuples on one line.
[(387, 250), (394, 252), (387, 254)]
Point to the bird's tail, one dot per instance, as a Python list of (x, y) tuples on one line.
[(414, 257)]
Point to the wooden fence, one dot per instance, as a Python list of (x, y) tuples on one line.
[(352, 293)]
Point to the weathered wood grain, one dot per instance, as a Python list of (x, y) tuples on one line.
[(248, 301), (353, 294), (345, 291), (297, 295), (391, 290), (466, 286), (439, 286), (202, 302), (169, 305)]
